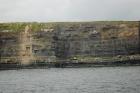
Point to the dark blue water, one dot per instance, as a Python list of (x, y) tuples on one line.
[(71, 80)]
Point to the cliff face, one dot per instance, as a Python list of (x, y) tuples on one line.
[(49, 42)]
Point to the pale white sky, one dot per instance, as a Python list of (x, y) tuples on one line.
[(68, 10)]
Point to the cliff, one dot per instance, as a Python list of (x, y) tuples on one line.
[(68, 42)]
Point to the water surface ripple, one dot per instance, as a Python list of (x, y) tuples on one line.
[(71, 80)]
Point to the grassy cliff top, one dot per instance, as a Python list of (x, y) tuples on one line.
[(36, 26)]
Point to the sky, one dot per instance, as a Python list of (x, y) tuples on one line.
[(68, 10)]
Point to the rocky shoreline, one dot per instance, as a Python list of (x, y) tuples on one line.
[(70, 65)]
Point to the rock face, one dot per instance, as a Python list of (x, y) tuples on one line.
[(64, 41), (25, 52)]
